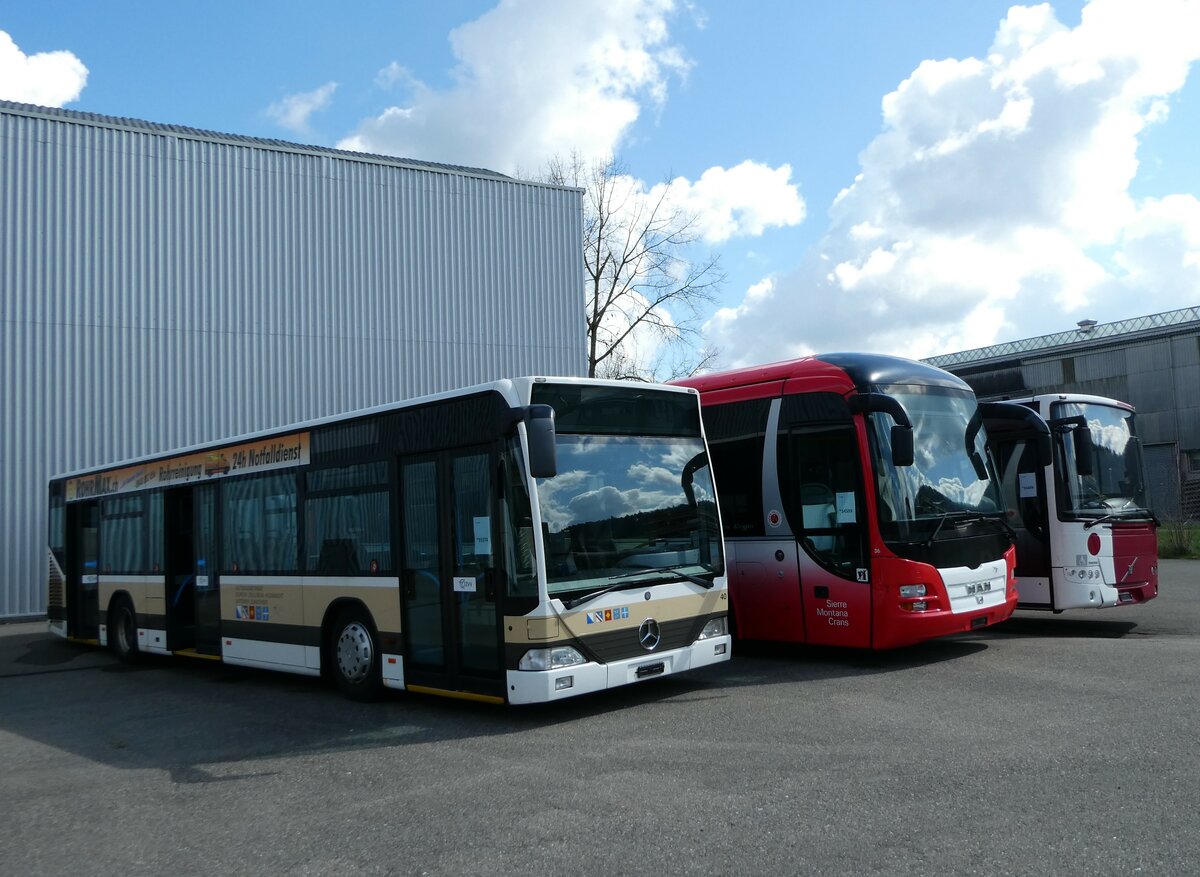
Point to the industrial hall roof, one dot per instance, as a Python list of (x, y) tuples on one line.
[(1087, 334)]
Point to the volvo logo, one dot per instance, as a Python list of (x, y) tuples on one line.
[(1129, 571), (649, 635)]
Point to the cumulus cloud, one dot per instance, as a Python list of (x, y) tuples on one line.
[(534, 79), (539, 79), (48, 79), (293, 111), (743, 200), (995, 202)]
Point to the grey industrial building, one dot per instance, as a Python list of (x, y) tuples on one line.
[(1151, 362), (162, 287)]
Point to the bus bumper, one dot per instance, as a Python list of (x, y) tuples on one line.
[(909, 628), (525, 686), (1084, 588)]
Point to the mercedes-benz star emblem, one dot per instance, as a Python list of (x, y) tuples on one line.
[(649, 635)]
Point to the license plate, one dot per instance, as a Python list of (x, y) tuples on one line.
[(650, 670)]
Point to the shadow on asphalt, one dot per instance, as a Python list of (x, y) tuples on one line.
[(1058, 626), (206, 722)]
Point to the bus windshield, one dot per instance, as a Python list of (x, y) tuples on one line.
[(952, 472), (1115, 484), (622, 505)]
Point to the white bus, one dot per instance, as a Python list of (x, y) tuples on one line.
[(521, 541), (1073, 481)]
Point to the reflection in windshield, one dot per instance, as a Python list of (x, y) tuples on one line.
[(1116, 483), (943, 477), (620, 503)]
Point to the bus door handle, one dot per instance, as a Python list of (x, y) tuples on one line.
[(489, 585)]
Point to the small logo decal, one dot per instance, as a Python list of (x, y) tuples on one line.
[(602, 615)]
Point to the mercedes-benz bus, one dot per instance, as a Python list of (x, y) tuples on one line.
[(1073, 480), (859, 502), (522, 541)]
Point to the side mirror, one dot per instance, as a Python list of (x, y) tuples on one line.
[(543, 451), (903, 452), (1085, 458)]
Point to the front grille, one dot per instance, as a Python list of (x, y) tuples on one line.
[(619, 645)]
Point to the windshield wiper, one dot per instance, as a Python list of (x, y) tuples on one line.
[(965, 517), (1144, 514), (622, 585)]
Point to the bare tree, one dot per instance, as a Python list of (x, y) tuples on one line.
[(641, 288)]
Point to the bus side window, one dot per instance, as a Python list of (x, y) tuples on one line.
[(260, 524), (736, 433), (347, 515)]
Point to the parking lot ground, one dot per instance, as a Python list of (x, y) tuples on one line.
[(1051, 744)]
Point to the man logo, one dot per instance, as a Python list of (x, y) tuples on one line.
[(649, 635)]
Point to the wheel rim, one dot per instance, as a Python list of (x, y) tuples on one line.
[(123, 630), (355, 652)]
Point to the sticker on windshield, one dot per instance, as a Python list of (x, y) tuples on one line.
[(1028, 484), (774, 518), (602, 615), (846, 512)]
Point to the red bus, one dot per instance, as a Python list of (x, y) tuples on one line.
[(859, 502), (1072, 477)]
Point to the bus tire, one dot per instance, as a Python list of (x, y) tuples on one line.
[(354, 655), (122, 630)]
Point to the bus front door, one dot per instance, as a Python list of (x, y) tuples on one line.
[(449, 590), (1023, 488)]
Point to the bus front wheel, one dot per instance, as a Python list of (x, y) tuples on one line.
[(354, 653), (122, 630)]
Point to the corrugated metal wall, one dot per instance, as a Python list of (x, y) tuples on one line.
[(160, 289)]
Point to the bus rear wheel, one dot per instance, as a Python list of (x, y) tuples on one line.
[(354, 654), (122, 630)]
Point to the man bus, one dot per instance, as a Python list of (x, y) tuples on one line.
[(521, 541), (859, 502)]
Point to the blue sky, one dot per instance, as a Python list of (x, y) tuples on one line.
[(912, 177)]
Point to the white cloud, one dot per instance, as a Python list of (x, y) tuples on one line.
[(48, 79), (742, 200), (294, 110), (535, 79), (995, 202), (394, 74)]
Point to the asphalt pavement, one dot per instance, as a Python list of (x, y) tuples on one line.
[(1051, 744)]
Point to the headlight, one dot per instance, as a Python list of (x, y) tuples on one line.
[(715, 627), (550, 659), (912, 590)]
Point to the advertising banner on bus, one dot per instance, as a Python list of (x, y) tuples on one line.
[(280, 452)]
